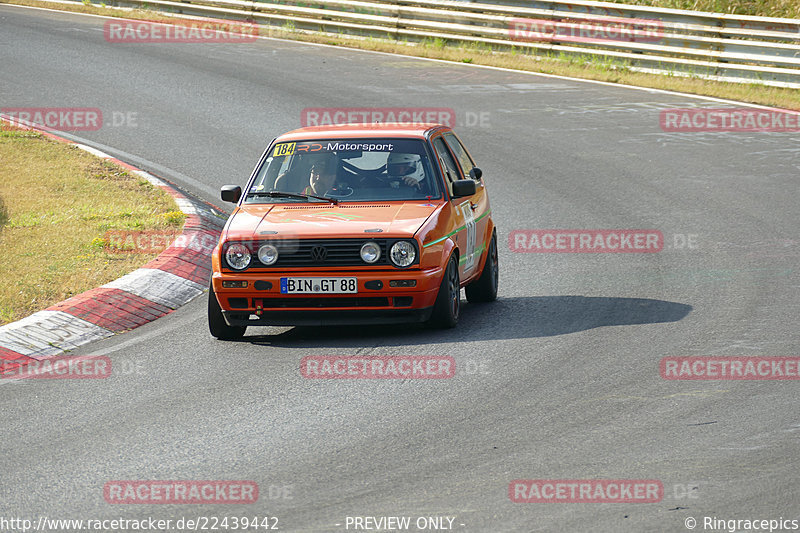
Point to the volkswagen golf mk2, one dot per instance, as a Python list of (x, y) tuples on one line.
[(354, 224)]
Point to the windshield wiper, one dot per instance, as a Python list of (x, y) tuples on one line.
[(281, 194)]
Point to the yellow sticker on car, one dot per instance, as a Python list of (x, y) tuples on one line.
[(284, 149)]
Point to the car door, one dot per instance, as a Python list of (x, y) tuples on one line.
[(480, 198), (468, 210)]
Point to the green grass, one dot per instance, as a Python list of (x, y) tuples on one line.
[(56, 204), (762, 8)]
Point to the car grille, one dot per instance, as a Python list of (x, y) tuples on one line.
[(322, 253)]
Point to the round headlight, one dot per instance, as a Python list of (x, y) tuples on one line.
[(403, 253), (268, 254), (370, 252), (238, 256)]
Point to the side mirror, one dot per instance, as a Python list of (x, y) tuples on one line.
[(475, 173), (463, 188), (230, 193)]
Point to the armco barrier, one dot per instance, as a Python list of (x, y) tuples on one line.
[(728, 47)]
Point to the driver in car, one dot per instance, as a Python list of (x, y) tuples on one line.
[(322, 179), (406, 168)]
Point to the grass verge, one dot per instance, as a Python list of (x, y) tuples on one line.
[(585, 67), (58, 206), (760, 8)]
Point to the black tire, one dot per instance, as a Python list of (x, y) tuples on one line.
[(447, 308), (484, 289), (216, 322)]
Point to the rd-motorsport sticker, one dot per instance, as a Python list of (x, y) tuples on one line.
[(311, 147)]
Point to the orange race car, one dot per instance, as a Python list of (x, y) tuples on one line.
[(351, 224)]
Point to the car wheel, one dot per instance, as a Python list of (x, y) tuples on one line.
[(216, 322), (447, 308), (484, 289)]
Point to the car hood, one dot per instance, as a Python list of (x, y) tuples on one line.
[(344, 220)]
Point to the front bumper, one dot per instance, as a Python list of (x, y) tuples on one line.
[(349, 317), (267, 306)]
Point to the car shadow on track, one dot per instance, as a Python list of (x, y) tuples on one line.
[(507, 318)]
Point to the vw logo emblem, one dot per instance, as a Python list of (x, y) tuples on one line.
[(319, 253)]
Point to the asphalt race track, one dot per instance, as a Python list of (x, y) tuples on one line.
[(557, 380)]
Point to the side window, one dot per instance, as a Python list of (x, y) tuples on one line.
[(448, 164), (461, 153)]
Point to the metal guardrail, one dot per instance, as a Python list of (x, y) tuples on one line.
[(728, 47)]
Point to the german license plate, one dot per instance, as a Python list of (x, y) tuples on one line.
[(319, 285)]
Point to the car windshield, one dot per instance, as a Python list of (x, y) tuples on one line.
[(345, 170)]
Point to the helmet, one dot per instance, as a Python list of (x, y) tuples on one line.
[(402, 165)]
